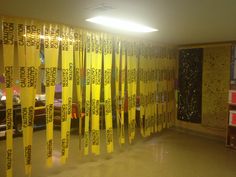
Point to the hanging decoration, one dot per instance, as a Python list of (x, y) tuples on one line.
[(87, 93), (96, 68), (117, 50), (79, 76), (122, 79), (8, 57), (51, 49), (139, 78), (29, 62), (67, 39), (107, 52), (142, 72)]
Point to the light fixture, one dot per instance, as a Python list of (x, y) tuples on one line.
[(121, 24)]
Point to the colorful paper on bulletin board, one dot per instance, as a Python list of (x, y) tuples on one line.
[(215, 86)]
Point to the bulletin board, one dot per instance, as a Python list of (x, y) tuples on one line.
[(215, 86)]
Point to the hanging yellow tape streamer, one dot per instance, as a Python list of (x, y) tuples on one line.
[(70, 63), (173, 101), (146, 93), (117, 48), (33, 32), (134, 62), (149, 106), (8, 28), (156, 90), (129, 89), (107, 47), (123, 66), (149, 89), (134, 87), (28, 54), (154, 87), (164, 89), (160, 88), (65, 92), (96, 86), (152, 90), (88, 93), (142, 90), (51, 46), (168, 89), (159, 92), (21, 35), (79, 55)]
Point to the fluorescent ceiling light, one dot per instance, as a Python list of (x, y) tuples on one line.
[(121, 24)]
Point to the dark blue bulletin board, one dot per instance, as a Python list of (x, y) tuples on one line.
[(190, 84), (233, 66)]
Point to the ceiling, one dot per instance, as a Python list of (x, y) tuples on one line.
[(179, 21)]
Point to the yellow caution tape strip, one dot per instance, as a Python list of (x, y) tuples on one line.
[(107, 50), (8, 57), (51, 49), (65, 92), (88, 93), (96, 64), (123, 78), (117, 50), (79, 76), (28, 54)]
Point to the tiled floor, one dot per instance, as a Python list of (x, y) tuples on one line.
[(169, 154)]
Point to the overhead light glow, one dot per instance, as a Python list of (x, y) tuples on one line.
[(121, 24)]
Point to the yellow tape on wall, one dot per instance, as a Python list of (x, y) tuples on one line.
[(8, 57), (51, 46), (96, 86), (107, 47)]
